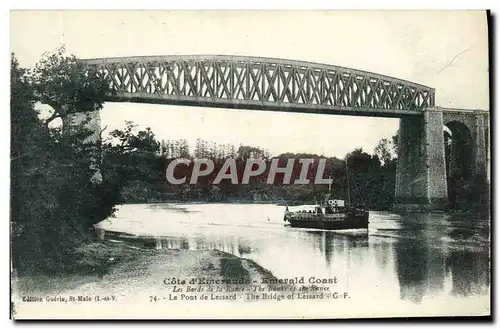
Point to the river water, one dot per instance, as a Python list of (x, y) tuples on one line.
[(438, 259)]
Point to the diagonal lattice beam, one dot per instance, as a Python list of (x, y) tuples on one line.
[(252, 82)]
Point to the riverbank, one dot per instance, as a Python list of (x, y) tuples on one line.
[(119, 268)]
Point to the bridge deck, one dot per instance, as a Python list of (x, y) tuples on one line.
[(260, 84)]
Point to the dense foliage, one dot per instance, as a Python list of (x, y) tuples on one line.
[(49, 172), (371, 180), (54, 202)]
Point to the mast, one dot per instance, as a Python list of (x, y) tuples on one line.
[(348, 190)]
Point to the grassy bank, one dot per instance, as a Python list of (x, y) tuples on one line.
[(92, 262)]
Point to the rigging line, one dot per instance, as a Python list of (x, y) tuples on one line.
[(347, 183), (357, 187), (359, 192)]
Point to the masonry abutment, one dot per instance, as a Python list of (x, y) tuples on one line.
[(421, 169)]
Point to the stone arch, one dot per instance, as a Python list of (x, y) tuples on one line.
[(459, 160)]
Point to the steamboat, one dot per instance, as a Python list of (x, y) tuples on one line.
[(331, 214)]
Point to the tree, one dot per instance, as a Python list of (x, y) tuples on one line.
[(63, 82), (132, 165), (367, 180), (183, 148), (246, 152), (52, 200), (128, 141), (25, 126), (395, 141), (383, 151)]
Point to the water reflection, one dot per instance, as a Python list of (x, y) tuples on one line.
[(329, 243), (413, 261), (426, 254), (237, 246), (469, 272), (382, 253), (411, 258)]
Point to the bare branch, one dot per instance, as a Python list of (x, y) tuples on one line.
[(100, 133)]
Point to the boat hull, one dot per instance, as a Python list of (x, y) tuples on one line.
[(351, 222)]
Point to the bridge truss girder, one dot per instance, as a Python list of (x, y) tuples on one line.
[(260, 83)]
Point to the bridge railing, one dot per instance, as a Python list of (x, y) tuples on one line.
[(253, 81)]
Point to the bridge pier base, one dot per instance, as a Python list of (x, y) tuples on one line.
[(481, 147), (421, 170)]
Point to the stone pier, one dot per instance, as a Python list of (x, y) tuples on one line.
[(421, 169)]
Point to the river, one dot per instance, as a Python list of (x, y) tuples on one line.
[(436, 258)]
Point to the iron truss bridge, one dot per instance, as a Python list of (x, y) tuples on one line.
[(260, 84)]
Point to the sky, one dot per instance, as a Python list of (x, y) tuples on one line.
[(446, 50)]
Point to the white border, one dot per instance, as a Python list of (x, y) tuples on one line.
[(186, 4), (255, 4)]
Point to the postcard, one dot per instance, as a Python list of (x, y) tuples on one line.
[(250, 164)]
